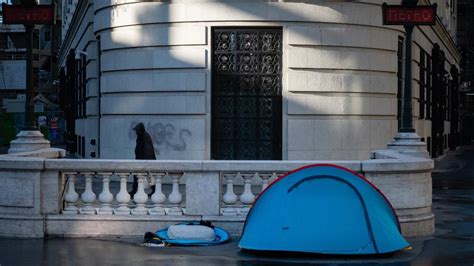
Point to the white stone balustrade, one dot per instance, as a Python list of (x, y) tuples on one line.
[(251, 183), (105, 196), (175, 197), (53, 196), (140, 198), (88, 197), (123, 197), (71, 195), (248, 184), (229, 198), (141, 204), (158, 198)]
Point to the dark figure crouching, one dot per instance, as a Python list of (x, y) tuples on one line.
[(144, 150)]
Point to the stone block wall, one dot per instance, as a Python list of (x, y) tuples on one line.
[(339, 73)]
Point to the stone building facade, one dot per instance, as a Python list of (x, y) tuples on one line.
[(282, 80)]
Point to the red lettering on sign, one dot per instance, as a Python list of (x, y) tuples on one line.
[(18, 14), (400, 15)]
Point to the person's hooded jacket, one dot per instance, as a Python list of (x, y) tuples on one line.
[(144, 149)]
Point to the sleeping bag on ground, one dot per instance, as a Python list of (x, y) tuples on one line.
[(323, 209), (193, 234)]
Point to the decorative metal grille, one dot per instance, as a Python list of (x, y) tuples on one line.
[(246, 94)]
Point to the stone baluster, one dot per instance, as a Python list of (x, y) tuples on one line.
[(71, 196), (88, 197), (265, 180), (275, 177), (140, 198), (105, 196), (229, 197), (175, 196), (158, 198), (123, 197), (247, 196)]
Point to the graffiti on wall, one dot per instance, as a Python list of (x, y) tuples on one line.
[(163, 135)]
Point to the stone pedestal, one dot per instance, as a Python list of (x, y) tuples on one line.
[(410, 144), (28, 140)]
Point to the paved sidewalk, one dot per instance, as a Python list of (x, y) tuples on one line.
[(452, 161)]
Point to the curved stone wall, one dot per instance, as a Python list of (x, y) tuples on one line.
[(339, 73)]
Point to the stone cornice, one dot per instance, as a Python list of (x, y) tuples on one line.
[(72, 29), (441, 31)]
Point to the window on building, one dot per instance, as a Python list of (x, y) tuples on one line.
[(448, 99), (444, 94), (399, 79), (422, 85), (81, 87), (3, 41), (68, 86), (429, 87)]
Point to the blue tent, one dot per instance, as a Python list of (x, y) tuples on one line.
[(323, 209)]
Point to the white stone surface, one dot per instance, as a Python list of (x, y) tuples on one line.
[(153, 35), (320, 104), (336, 139), (342, 58), (173, 138), (16, 192), (338, 61), (156, 104), (202, 193), (148, 58), (409, 143), (92, 88), (153, 81), (21, 226), (28, 140), (51, 192), (327, 134), (343, 35), (331, 81), (300, 132)]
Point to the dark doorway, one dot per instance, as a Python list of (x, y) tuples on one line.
[(246, 94)]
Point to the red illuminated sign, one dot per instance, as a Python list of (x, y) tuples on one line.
[(402, 15), (19, 14)]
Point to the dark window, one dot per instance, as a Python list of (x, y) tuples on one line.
[(3, 41), (79, 145), (47, 36), (246, 94), (444, 94), (429, 87), (69, 96), (422, 85), (81, 87), (83, 146), (428, 144), (400, 79), (448, 98)]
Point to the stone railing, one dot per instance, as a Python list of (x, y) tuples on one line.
[(168, 197), (68, 197), (253, 183), (120, 202)]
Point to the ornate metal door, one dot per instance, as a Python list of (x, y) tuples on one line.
[(246, 94)]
